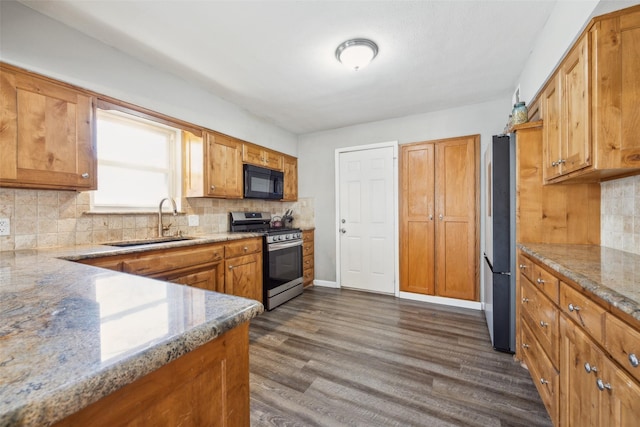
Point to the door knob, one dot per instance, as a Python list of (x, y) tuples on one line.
[(342, 230)]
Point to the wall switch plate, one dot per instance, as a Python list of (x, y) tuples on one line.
[(194, 220), (5, 225)]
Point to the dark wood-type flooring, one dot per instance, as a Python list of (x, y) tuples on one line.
[(346, 358)]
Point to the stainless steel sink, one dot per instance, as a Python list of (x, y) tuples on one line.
[(149, 241)]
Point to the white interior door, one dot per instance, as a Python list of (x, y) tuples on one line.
[(366, 219)]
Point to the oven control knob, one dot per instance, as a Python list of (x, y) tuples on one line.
[(276, 238), (288, 236)]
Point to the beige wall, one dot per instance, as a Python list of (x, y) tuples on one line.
[(46, 218), (620, 214)]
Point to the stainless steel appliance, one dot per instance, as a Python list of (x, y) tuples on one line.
[(262, 183), (500, 242), (282, 256)]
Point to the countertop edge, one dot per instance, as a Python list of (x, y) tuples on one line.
[(605, 294)]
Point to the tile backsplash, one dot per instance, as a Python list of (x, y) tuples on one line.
[(620, 214), (48, 218)]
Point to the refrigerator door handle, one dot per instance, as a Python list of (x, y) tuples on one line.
[(486, 258)]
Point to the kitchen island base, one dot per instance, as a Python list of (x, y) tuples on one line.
[(208, 386)]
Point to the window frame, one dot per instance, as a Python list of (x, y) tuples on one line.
[(174, 168)]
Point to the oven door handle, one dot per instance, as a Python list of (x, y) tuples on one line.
[(283, 245)]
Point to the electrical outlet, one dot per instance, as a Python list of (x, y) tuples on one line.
[(5, 227)]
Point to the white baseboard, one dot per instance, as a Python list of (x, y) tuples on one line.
[(326, 284), (474, 305)]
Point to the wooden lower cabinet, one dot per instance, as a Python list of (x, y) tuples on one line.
[(209, 277), (594, 382), (439, 216), (308, 271), (208, 386), (233, 267), (243, 276)]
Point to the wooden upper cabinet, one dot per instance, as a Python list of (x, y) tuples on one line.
[(224, 156), (290, 178), (46, 134), (551, 98), (212, 165), (260, 156), (566, 115), (590, 105)]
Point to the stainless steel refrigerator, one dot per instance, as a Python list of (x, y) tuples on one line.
[(500, 242)]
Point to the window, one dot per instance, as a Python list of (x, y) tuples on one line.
[(138, 163)]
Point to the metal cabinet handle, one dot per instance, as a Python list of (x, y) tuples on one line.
[(543, 324), (231, 267), (522, 266), (589, 368), (245, 249), (543, 381), (633, 359), (602, 385), (540, 281), (554, 164), (430, 217), (562, 161), (85, 175), (525, 300), (573, 308), (440, 217), (525, 346), (213, 187)]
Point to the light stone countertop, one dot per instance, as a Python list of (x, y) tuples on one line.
[(71, 333), (609, 274)]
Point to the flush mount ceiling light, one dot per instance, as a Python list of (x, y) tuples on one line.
[(356, 53)]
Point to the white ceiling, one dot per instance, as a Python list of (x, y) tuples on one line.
[(276, 58)]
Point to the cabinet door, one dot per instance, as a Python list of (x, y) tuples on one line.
[(290, 179), (417, 227), (575, 137), (46, 134), (252, 154), (272, 159), (456, 207), (210, 278), (551, 130), (623, 394), (225, 166), (193, 171), (243, 276), (580, 365)]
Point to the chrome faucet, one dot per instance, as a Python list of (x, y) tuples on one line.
[(161, 228)]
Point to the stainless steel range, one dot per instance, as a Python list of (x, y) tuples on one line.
[(282, 256)]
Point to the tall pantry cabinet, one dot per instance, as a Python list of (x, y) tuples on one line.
[(439, 214)]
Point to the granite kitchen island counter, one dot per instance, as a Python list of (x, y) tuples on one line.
[(71, 334)]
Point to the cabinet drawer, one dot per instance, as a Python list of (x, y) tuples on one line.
[(623, 342), (585, 312), (307, 236), (307, 261), (544, 375), (546, 282), (542, 318), (307, 247), (308, 275), (526, 267), (243, 247), (159, 261)]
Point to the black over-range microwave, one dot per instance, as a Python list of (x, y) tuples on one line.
[(262, 183)]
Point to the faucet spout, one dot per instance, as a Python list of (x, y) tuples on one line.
[(161, 228)]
